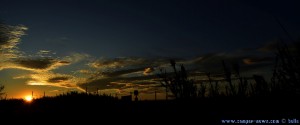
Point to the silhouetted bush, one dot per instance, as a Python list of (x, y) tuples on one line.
[(286, 74), (178, 82)]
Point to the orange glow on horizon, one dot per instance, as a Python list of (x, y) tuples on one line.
[(28, 98)]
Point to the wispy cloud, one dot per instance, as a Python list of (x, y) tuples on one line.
[(116, 63), (52, 79), (10, 36), (120, 72), (76, 57), (147, 71), (127, 62), (256, 60), (45, 54), (58, 79)]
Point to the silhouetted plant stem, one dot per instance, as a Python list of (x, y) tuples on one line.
[(228, 78)]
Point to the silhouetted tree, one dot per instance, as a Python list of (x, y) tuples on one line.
[(286, 74)]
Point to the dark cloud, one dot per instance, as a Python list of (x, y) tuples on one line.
[(269, 47), (39, 64), (36, 63), (105, 83), (125, 68), (137, 78), (113, 73), (121, 72), (118, 63), (64, 62), (67, 85), (58, 79), (112, 82), (213, 62)]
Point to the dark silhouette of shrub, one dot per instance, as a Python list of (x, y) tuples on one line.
[(202, 90), (214, 88), (227, 77), (178, 83), (286, 74), (261, 87)]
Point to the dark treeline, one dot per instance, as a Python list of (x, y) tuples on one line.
[(88, 108)]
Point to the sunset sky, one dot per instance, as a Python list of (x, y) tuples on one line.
[(118, 46)]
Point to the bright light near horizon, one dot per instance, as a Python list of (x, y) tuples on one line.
[(28, 98)]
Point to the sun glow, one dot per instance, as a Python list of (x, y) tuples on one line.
[(28, 98)]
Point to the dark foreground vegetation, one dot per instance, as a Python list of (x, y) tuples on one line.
[(89, 109)]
